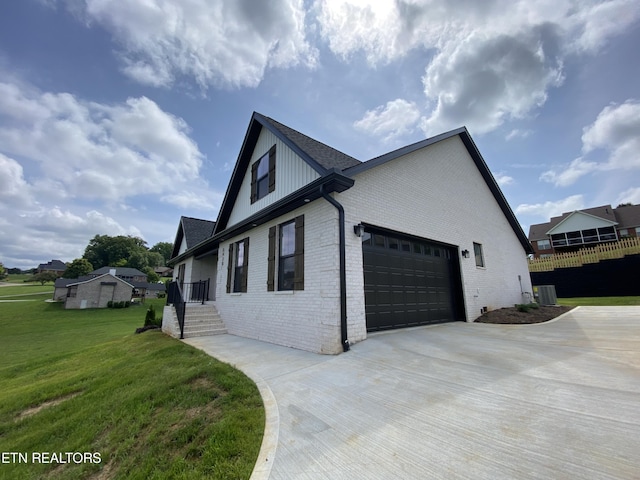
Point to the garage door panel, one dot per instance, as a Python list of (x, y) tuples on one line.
[(407, 282)]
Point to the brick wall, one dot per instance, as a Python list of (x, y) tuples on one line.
[(439, 194), (308, 319), (436, 193)]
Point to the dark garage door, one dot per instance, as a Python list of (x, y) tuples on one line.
[(408, 281)]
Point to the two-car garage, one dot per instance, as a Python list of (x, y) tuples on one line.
[(409, 281)]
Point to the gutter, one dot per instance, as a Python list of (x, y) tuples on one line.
[(343, 269)]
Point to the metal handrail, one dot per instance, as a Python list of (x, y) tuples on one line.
[(181, 293)]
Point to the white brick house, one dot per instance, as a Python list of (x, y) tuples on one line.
[(312, 248)]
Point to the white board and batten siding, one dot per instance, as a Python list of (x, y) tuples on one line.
[(292, 173)]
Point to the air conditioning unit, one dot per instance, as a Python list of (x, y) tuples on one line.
[(546, 294)]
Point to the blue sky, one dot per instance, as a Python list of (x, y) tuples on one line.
[(118, 117)]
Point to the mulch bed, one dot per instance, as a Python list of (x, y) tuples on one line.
[(512, 315)]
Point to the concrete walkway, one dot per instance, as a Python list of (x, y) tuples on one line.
[(559, 400)]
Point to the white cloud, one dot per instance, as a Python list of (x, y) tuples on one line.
[(396, 118), (632, 195), (551, 209), (504, 180), (616, 131), (88, 159), (94, 150), (215, 42), (14, 190), (576, 169), (517, 133), (46, 233), (484, 81), (202, 199), (486, 62)]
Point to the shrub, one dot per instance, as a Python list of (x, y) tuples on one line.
[(525, 307), (110, 304), (150, 318)]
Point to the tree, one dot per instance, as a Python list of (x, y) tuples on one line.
[(152, 277), (78, 268), (107, 251), (44, 277), (3, 272), (155, 259), (165, 249)]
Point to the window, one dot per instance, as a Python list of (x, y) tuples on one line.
[(263, 175), (237, 267), (544, 244), (72, 291), (286, 256), (288, 265), (477, 250)]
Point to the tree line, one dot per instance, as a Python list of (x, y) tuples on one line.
[(113, 251)]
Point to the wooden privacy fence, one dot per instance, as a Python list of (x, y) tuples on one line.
[(626, 246)]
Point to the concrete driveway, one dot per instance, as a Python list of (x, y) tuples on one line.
[(551, 401)]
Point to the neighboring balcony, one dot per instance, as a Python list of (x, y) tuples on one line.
[(584, 237)]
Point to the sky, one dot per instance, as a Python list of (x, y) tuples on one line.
[(116, 117)]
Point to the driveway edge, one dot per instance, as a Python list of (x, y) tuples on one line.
[(267, 453)]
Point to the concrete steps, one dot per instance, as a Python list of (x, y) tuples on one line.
[(199, 321)]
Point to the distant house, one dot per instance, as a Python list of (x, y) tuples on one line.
[(54, 266), (163, 271), (125, 273), (139, 287), (584, 228), (97, 292)]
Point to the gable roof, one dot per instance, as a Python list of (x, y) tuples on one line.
[(626, 216), (590, 217), (120, 271), (479, 162), (194, 231), (325, 156), (337, 171), (322, 158), (63, 282), (95, 279)]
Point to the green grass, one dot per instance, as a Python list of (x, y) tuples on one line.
[(599, 301), (151, 406), (26, 289), (17, 277)]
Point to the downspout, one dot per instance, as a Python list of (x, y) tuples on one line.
[(343, 269)]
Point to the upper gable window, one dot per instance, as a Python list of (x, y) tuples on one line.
[(263, 175)]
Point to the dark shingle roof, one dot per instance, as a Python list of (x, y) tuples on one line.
[(628, 216), (63, 282), (326, 156), (120, 271), (196, 230), (53, 265)]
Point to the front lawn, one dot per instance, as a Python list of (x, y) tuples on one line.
[(147, 406)]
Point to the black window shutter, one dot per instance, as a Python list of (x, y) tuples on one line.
[(254, 182), (245, 269), (229, 268), (298, 278), (272, 169), (271, 260)]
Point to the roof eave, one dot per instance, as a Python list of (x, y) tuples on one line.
[(333, 181)]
